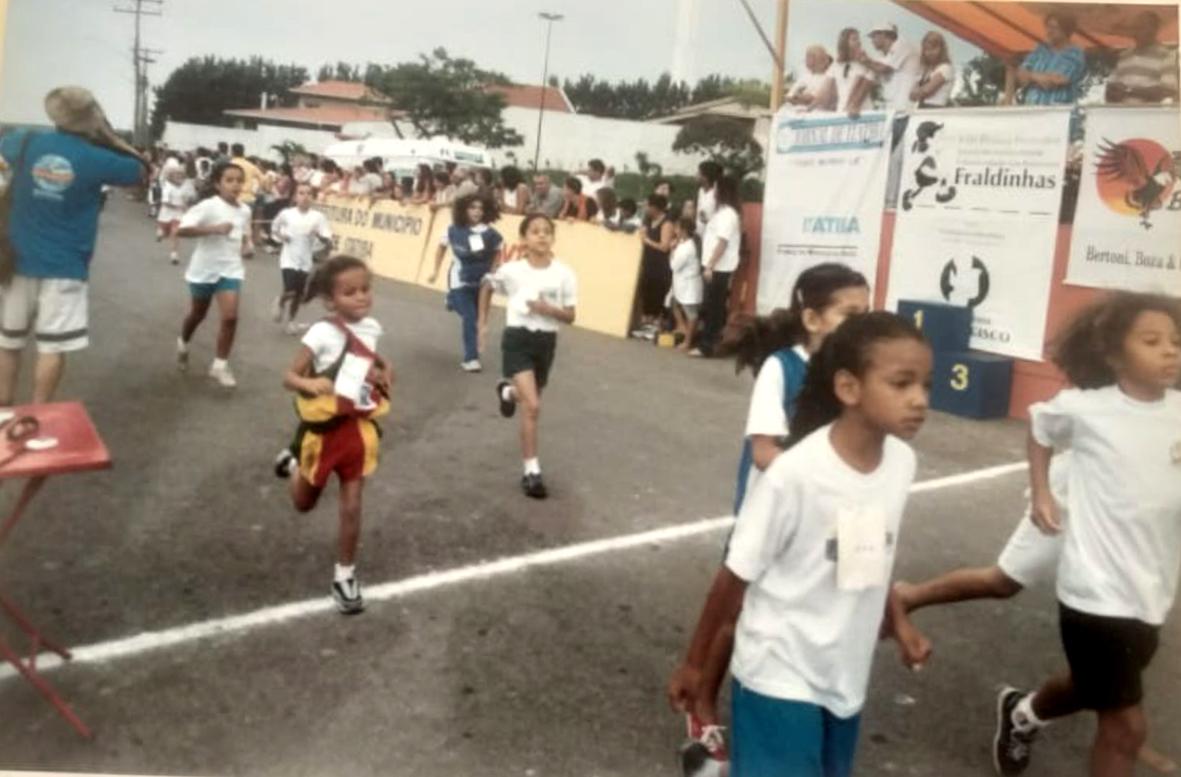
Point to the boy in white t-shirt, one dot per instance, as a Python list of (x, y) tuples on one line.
[(297, 228), (542, 293), (177, 193)]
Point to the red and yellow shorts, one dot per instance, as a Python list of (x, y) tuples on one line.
[(349, 449)]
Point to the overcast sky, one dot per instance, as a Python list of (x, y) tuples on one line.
[(53, 42)]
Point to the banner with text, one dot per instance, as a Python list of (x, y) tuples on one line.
[(826, 188), (1127, 229), (388, 235), (977, 219)]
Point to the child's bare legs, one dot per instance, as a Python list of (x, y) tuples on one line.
[(174, 239), (1118, 741), (193, 320), (690, 330), (958, 586), (304, 495), (350, 522), (291, 301), (227, 306), (529, 401)]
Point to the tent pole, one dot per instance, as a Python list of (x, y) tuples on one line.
[(779, 73)]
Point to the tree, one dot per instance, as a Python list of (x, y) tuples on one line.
[(725, 140), (449, 96), (641, 99), (341, 71), (203, 88)]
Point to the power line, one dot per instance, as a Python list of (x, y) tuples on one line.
[(141, 58)]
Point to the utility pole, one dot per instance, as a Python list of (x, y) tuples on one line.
[(779, 73), (549, 19), (140, 59)]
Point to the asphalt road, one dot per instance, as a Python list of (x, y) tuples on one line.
[(549, 670)]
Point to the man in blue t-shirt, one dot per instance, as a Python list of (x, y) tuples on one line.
[(56, 179)]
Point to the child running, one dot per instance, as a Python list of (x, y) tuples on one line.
[(342, 385), (221, 225), (477, 247), (542, 292), (1117, 578), (176, 195), (297, 228), (685, 262), (806, 575), (822, 298)]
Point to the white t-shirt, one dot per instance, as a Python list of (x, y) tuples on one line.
[(591, 188), (707, 205), (686, 268), (801, 637), (766, 415), (1123, 540), (724, 225), (326, 342), (942, 95), (521, 282), (316, 178), (174, 199), (810, 84), (365, 185), (903, 56), (845, 76), (301, 230), (217, 256)]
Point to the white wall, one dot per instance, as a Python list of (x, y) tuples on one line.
[(258, 142)]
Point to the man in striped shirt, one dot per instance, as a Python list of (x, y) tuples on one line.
[(1147, 72), (1052, 73)]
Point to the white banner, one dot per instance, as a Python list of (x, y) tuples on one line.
[(826, 188), (1127, 229), (977, 219)]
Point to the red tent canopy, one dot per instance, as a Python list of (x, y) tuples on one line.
[(1008, 29)]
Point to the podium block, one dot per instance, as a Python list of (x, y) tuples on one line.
[(972, 384), (946, 327)]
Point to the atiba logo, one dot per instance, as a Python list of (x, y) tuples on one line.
[(52, 175), (1135, 177), (813, 135), (965, 283)]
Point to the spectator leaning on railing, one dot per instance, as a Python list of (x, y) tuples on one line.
[(546, 199), (897, 68), (937, 76), (815, 91), (1052, 73), (1147, 72), (853, 80)]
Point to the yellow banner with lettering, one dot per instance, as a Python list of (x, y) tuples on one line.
[(401, 242)]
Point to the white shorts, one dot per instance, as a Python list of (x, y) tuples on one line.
[(1031, 556), (54, 309)]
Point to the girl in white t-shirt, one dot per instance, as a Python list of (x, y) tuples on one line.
[(221, 225), (853, 80), (177, 193), (687, 286), (297, 228), (805, 582), (342, 387), (1117, 578), (542, 293), (933, 89)]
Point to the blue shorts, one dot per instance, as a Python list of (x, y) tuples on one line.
[(780, 738), (207, 290)]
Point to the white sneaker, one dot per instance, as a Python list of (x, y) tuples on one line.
[(472, 366), (173, 258), (293, 328), (222, 374), (347, 595), (182, 355), (277, 310)]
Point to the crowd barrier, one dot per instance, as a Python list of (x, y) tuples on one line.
[(400, 241)]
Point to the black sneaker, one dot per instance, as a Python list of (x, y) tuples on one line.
[(534, 486), (507, 406), (347, 594), (1011, 747), (285, 464)]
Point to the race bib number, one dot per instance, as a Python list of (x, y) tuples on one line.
[(476, 243), (351, 380), (862, 558)]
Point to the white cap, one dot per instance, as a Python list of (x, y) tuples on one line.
[(883, 27)]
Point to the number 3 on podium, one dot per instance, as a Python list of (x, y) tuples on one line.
[(959, 377)]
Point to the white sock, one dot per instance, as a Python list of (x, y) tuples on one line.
[(532, 466), (1024, 718), (344, 573), (219, 364), (507, 393), (181, 345)]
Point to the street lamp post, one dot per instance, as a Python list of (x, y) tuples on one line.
[(549, 19)]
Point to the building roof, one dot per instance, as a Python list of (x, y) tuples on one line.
[(340, 90), (529, 96), (1006, 29), (730, 107), (335, 116)]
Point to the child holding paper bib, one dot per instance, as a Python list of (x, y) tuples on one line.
[(806, 576)]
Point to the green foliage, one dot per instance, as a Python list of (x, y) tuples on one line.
[(641, 99), (724, 140), (289, 149), (203, 88), (448, 96)]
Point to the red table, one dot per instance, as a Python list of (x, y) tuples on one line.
[(78, 449)]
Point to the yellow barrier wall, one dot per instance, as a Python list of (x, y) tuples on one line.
[(399, 242)]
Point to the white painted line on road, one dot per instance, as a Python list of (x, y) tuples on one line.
[(104, 652)]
